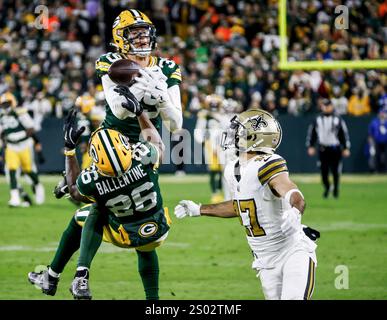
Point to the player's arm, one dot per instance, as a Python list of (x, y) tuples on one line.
[(150, 134), (287, 189), (154, 83), (71, 137), (189, 208)]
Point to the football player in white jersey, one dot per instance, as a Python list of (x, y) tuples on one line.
[(269, 206)]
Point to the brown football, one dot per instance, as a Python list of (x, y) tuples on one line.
[(123, 71)]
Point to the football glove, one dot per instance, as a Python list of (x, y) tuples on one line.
[(70, 130), (131, 104), (291, 221), (312, 234), (153, 83), (187, 208)]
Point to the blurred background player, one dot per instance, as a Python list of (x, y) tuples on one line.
[(212, 120), (330, 133), (18, 136), (208, 131)]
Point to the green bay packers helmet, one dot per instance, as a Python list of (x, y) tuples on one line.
[(122, 27), (110, 152), (253, 130)]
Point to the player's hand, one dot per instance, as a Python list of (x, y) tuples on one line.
[(153, 83), (71, 131), (187, 208), (346, 153), (291, 221), (311, 151), (131, 104)]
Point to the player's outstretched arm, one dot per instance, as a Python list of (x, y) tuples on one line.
[(189, 208), (71, 137), (287, 189)]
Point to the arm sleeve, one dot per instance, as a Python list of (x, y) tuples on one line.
[(113, 99), (171, 111), (25, 119), (311, 137), (344, 136)]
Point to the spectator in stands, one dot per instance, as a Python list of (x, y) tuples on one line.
[(359, 104)]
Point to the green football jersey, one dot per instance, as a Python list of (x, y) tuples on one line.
[(130, 126), (13, 125), (132, 196)]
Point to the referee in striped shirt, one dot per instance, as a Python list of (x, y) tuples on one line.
[(329, 132)]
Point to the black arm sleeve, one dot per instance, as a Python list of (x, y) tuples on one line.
[(344, 136), (311, 137)]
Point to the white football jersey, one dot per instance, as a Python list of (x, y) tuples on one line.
[(259, 210)]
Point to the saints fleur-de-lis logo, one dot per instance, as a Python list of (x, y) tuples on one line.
[(258, 123)]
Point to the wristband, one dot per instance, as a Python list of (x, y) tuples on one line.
[(290, 192), (69, 152)]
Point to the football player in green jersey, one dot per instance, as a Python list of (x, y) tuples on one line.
[(134, 37), (19, 139), (127, 209)]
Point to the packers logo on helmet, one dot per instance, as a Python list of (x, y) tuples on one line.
[(110, 152), (253, 130), (123, 38)]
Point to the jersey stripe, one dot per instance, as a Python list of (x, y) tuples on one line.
[(110, 153), (270, 169)]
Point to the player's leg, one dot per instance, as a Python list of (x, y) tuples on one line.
[(336, 166), (148, 268), (69, 243), (29, 168), (12, 164), (271, 282), (298, 276), (91, 239), (324, 167)]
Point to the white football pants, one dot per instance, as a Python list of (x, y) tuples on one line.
[(293, 279)]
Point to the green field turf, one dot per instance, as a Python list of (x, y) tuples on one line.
[(205, 258)]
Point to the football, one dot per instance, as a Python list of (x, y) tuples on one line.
[(123, 71)]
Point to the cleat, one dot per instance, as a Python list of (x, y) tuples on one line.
[(43, 280), (80, 288)]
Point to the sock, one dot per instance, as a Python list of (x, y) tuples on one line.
[(148, 267), (12, 179), (91, 237), (212, 181), (68, 245), (219, 181), (34, 177), (52, 273)]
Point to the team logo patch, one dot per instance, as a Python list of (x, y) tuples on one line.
[(93, 154), (258, 123), (125, 141), (148, 229)]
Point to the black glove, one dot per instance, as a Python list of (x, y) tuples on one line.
[(311, 233), (70, 130), (61, 189), (40, 157), (132, 104)]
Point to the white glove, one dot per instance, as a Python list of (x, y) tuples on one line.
[(187, 208), (152, 81), (291, 221)]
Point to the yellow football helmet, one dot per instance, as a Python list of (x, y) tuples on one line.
[(7, 99), (122, 26), (253, 130), (213, 102), (110, 152)]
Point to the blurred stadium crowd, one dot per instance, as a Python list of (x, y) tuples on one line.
[(229, 47)]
